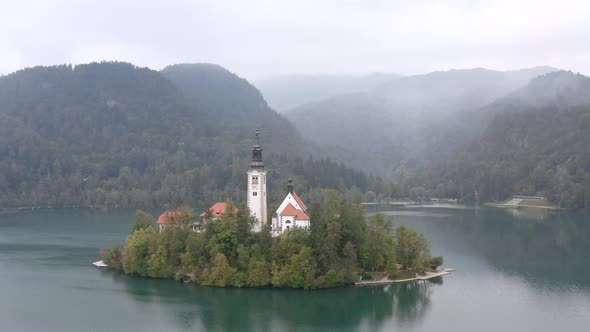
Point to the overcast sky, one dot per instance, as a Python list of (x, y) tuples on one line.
[(262, 38)]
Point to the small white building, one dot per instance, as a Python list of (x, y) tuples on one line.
[(290, 214)]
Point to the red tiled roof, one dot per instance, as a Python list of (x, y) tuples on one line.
[(290, 210), (168, 217), (299, 201), (217, 210)]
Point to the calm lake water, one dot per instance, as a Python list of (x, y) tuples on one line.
[(523, 272)]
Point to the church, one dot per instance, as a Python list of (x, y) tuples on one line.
[(291, 213)]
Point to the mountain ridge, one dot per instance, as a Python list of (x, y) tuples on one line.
[(426, 117), (112, 134)]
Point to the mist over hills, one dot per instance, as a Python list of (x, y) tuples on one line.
[(461, 132), (455, 90), (115, 135), (537, 143), (430, 117), (286, 92)]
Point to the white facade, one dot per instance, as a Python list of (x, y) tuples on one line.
[(290, 214), (256, 199), (290, 199), (281, 224)]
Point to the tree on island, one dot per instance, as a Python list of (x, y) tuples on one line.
[(413, 249), (143, 220)]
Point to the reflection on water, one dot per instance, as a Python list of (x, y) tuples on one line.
[(534, 214), (541, 246), (248, 309), (513, 273)]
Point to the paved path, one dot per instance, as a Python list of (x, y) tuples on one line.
[(428, 275)]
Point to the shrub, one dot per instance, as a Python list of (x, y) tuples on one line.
[(113, 257), (334, 279), (435, 262), (367, 276)]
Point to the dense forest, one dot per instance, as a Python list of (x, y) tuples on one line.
[(338, 248), (115, 135), (537, 143), (474, 135)]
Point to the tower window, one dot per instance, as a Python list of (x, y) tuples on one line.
[(254, 180), (254, 194)]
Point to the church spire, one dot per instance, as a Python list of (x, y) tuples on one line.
[(257, 162)]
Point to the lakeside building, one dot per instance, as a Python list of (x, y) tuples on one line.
[(215, 212), (169, 218), (291, 213)]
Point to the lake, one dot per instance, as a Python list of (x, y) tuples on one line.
[(516, 271)]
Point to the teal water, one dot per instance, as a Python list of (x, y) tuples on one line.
[(515, 272)]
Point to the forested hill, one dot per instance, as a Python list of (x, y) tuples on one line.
[(114, 135), (537, 144), (409, 122), (230, 103)]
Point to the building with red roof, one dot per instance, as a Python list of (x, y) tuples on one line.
[(215, 212), (169, 218), (291, 213)]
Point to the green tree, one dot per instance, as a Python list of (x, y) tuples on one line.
[(221, 271), (259, 273), (350, 263), (143, 220), (113, 257), (379, 244), (138, 248), (413, 249), (157, 266)]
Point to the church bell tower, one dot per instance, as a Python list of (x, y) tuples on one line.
[(256, 199)]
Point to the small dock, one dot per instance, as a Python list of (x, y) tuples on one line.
[(99, 264), (385, 281)]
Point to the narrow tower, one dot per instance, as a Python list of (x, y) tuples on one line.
[(256, 199)]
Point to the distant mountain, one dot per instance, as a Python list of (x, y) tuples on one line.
[(409, 122), (114, 135), (538, 143), (286, 92), (455, 90)]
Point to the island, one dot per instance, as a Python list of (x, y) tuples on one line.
[(331, 244), (341, 247)]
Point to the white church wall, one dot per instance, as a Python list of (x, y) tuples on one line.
[(256, 199)]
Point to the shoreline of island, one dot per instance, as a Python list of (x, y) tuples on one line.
[(386, 281)]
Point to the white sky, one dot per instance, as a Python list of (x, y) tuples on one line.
[(262, 38)]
